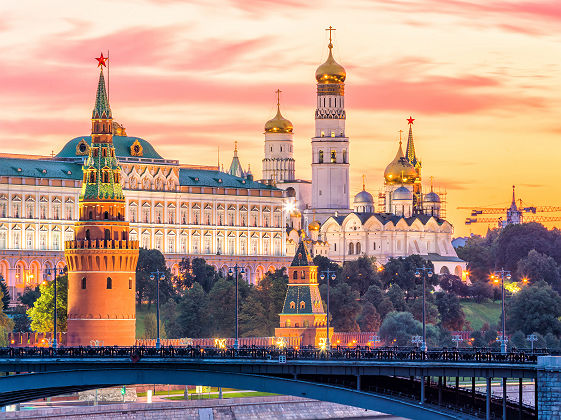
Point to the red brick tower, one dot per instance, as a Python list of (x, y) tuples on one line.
[(302, 314), (101, 260)]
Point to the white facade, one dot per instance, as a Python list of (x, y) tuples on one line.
[(278, 164)]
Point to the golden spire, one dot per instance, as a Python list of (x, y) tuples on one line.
[(431, 183), (363, 182), (278, 92), (235, 146), (400, 131)]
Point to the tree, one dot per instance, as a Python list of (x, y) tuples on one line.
[(480, 255), (360, 274), (150, 323), (41, 314), (396, 295), (324, 264), (369, 319), (21, 320), (551, 342), (518, 340), (193, 319), (29, 296), (535, 308), (150, 261), (344, 307), (374, 295), (538, 267), (204, 274), (431, 311), (251, 318), (481, 290), (401, 271), (399, 327), (5, 293), (452, 316), (270, 293), (385, 307), (453, 284)]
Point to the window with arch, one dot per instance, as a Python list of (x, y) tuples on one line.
[(303, 274), (351, 248), (292, 305), (287, 323), (83, 282), (333, 156), (109, 283), (295, 275), (320, 157), (302, 304), (358, 247), (344, 156)]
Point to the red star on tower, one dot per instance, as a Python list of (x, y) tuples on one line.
[(101, 60), (410, 120)]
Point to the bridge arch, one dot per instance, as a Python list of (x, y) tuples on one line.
[(31, 385)]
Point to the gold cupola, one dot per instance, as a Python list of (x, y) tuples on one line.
[(278, 124), (400, 169), (330, 71)]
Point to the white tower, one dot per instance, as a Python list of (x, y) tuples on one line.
[(278, 164), (330, 146)]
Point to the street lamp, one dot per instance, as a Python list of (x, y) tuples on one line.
[(457, 339), (417, 339), (157, 275), (426, 272), (235, 272), (48, 271), (328, 274), (502, 274), (532, 338)]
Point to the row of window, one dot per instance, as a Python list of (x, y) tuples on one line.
[(332, 156), (109, 284), (56, 213)]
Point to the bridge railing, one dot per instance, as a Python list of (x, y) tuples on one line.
[(397, 354)]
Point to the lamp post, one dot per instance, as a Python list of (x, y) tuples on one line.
[(328, 274), (417, 339), (235, 272), (502, 274), (46, 274), (425, 272), (457, 339), (532, 338), (157, 275)]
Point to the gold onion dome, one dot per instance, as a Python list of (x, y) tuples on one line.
[(278, 124), (330, 71), (314, 226), (400, 170)]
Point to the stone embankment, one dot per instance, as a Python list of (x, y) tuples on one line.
[(255, 408)]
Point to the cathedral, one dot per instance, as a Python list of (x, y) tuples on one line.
[(407, 220)]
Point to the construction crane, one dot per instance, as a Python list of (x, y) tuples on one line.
[(514, 214)]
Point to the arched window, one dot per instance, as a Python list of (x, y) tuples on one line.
[(109, 283), (295, 275), (320, 158), (302, 304), (351, 248), (358, 247), (344, 156), (83, 282), (292, 305), (303, 274), (106, 215), (333, 156), (87, 234), (107, 235), (130, 283), (91, 216), (287, 323)]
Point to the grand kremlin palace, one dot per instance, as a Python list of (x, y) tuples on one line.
[(181, 210)]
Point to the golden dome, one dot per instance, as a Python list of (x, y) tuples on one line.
[(400, 170), (295, 213), (314, 226), (330, 71), (278, 124)]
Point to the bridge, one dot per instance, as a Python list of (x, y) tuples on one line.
[(402, 382)]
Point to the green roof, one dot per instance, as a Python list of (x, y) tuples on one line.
[(102, 167), (302, 293), (302, 258), (122, 147), (101, 108), (210, 178), (40, 168)]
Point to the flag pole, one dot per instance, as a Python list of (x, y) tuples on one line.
[(108, 76)]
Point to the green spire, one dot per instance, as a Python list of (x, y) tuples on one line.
[(236, 167), (101, 109), (410, 151), (302, 257)]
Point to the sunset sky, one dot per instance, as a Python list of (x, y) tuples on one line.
[(481, 78)]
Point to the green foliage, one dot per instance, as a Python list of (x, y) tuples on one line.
[(401, 271), (343, 306), (536, 308), (360, 274), (190, 316), (5, 294), (478, 314), (41, 314), (150, 324), (29, 296), (401, 327), (22, 323), (451, 315), (397, 297), (324, 264), (453, 284), (150, 261), (480, 255), (431, 311), (369, 319), (538, 267)]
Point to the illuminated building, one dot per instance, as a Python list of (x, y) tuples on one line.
[(302, 315), (101, 260)]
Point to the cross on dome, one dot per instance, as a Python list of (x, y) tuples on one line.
[(330, 29)]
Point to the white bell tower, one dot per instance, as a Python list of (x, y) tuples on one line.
[(330, 146)]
